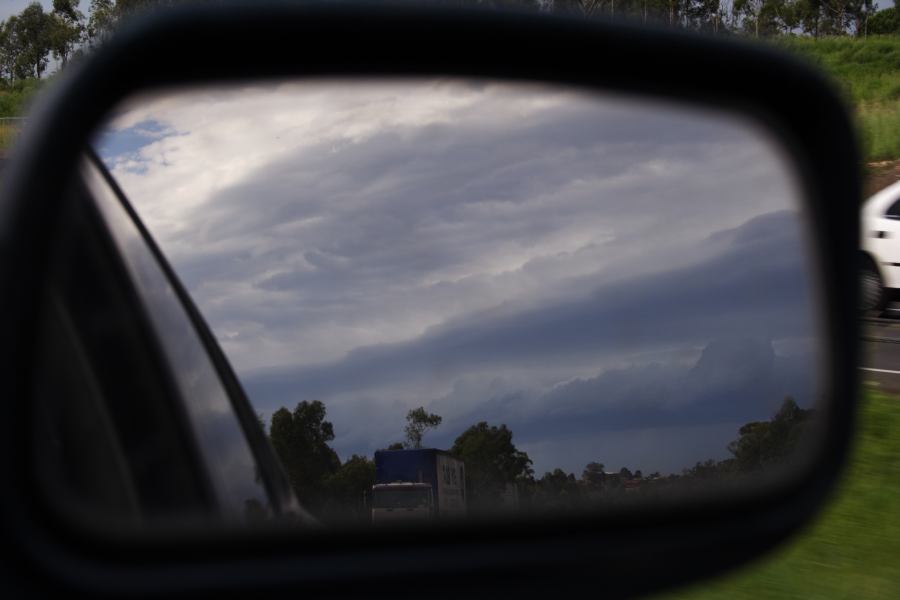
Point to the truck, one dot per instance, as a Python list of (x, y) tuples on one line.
[(418, 484)]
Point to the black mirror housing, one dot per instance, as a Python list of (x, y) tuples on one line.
[(634, 552)]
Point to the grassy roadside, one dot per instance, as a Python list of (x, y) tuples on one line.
[(14, 100), (868, 72), (853, 548)]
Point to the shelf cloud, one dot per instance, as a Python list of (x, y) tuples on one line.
[(602, 274)]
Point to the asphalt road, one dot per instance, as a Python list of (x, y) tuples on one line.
[(880, 363)]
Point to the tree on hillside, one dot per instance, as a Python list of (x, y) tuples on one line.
[(418, 421), (492, 462), (301, 440)]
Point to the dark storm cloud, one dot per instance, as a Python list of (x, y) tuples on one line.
[(651, 416), (504, 267), (755, 286), (734, 381)]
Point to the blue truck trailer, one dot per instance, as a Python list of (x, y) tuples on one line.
[(417, 484)]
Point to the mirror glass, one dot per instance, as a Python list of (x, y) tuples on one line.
[(450, 298)]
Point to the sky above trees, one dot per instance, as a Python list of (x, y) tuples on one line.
[(613, 280)]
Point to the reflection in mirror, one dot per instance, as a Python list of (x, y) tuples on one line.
[(450, 297)]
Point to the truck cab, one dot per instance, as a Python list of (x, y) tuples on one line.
[(402, 501), (418, 483)]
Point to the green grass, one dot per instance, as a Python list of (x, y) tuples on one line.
[(880, 132), (8, 134), (868, 73), (853, 548), (15, 98), (14, 101)]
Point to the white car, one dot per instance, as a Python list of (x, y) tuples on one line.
[(880, 240)]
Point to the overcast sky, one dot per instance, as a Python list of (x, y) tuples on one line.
[(616, 281)]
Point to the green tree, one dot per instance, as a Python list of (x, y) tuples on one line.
[(66, 29), (764, 443), (809, 16), (418, 421), (555, 491), (757, 16), (706, 470), (106, 14), (348, 487), (885, 21), (593, 474), (705, 15), (492, 462), (102, 18), (837, 15), (27, 41), (301, 440), (8, 50)]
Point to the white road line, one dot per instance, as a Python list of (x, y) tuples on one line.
[(879, 370)]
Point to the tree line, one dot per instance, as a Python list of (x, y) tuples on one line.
[(496, 469), (750, 17), (29, 39)]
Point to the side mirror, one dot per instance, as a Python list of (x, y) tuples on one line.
[(132, 452)]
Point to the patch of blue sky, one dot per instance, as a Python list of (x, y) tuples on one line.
[(122, 148)]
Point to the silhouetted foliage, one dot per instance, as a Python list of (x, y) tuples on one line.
[(764, 443), (348, 489), (301, 440), (593, 475), (492, 462), (418, 421), (556, 491), (885, 21)]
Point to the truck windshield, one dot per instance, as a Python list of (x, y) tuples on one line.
[(409, 498)]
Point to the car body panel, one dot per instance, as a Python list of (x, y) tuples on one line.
[(880, 234)]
